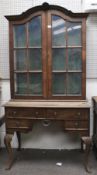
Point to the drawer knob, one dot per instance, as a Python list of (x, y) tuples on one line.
[(36, 112), (55, 113), (14, 112), (79, 113), (76, 124), (17, 123)]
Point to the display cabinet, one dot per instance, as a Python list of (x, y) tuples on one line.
[(47, 54), (47, 71)]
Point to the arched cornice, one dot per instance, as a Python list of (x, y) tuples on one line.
[(45, 6)]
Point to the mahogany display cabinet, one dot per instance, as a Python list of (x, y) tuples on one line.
[(47, 71)]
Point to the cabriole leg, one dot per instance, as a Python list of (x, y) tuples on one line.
[(7, 141), (87, 152)]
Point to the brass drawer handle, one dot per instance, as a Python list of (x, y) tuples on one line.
[(46, 122), (79, 113)]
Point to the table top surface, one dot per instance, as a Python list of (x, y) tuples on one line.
[(48, 103)]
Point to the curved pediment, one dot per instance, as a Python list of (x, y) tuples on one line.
[(45, 6)]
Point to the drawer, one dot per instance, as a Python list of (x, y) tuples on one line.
[(52, 113), (68, 114), (76, 124), (39, 113), (25, 112), (15, 123)]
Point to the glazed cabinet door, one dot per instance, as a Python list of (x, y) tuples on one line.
[(48, 56), (66, 75), (29, 63)]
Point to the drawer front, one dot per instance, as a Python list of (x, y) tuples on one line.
[(50, 113), (26, 112), (76, 124), (16, 123), (68, 114)]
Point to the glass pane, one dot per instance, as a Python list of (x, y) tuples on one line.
[(21, 83), (20, 59), (58, 83), (74, 34), (35, 59), (35, 83), (35, 31), (58, 59), (74, 84), (58, 31), (20, 36), (74, 59)]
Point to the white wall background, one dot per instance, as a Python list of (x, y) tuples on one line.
[(51, 137)]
